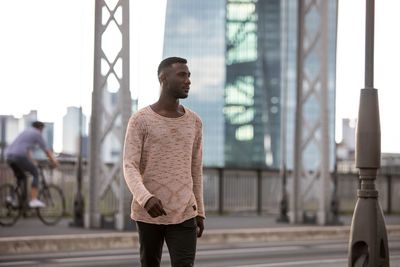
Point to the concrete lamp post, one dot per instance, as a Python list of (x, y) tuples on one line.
[(368, 245)]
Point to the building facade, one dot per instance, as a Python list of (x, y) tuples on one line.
[(71, 130), (11, 127), (252, 88), (112, 146), (196, 30), (242, 55)]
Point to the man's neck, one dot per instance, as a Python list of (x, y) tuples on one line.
[(168, 108), (167, 104)]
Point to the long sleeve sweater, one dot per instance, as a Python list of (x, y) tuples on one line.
[(163, 158)]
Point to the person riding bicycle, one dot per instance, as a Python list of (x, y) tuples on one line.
[(19, 158)]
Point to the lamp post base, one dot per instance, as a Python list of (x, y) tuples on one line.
[(283, 217), (368, 245)]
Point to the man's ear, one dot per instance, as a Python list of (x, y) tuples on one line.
[(162, 78)]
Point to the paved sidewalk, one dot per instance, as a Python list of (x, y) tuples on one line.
[(34, 227), (32, 236)]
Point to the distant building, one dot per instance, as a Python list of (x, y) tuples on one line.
[(112, 147), (26, 120), (9, 129), (48, 136), (390, 160), (11, 126), (346, 148), (242, 56), (349, 133), (71, 130), (346, 151), (196, 30)]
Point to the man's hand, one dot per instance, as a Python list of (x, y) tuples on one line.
[(53, 161), (154, 207), (200, 226), (54, 164)]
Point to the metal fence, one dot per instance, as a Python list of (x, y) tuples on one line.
[(232, 190)]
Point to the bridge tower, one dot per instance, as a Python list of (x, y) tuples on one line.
[(111, 109), (312, 122)]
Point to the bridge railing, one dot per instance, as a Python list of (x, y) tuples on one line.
[(236, 190)]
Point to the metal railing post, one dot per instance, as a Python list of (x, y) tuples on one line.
[(389, 193), (259, 192), (220, 191)]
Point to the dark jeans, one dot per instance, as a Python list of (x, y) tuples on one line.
[(20, 165), (181, 241)]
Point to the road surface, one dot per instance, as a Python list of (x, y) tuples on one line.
[(329, 253)]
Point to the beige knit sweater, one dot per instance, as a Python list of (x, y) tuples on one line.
[(163, 158)]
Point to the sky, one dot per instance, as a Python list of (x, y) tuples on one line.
[(46, 59)]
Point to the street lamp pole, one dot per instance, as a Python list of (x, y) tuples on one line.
[(79, 203), (368, 245)]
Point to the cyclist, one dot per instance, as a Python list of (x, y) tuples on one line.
[(20, 160)]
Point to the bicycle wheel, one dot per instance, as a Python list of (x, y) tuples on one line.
[(53, 197), (10, 209)]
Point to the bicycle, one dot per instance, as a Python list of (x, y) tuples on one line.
[(14, 201)]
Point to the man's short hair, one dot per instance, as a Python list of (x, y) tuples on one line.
[(38, 124), (167, 62)]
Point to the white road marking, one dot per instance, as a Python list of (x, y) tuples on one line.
[(19, 263), (247, 250)]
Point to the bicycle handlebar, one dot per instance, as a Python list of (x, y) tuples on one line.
[(44, 164)]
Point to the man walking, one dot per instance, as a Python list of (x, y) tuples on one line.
[(163, 170)]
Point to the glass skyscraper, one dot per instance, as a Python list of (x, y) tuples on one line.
[(252, 89), (242, 55), (196, 30)]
